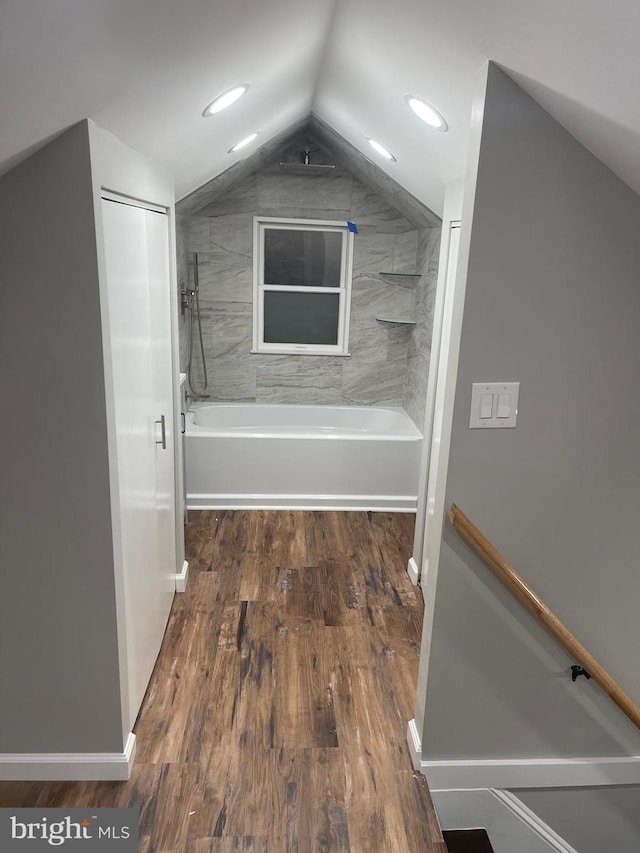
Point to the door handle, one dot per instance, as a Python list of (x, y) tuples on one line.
[(163, 428), (184, 422)]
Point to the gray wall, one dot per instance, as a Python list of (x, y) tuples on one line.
[(58, 644), (552, 301), (388, 363), (591, 820)]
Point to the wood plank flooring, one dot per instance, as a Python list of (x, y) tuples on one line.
[(275, 719)]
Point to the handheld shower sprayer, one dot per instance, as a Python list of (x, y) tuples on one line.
[(189, 298), (189, 294)]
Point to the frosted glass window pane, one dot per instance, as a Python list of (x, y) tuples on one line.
[(302, 258), (300, 318)]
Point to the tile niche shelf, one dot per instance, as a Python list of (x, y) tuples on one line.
[(400, 321)]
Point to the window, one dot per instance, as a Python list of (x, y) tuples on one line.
[(302, 286)]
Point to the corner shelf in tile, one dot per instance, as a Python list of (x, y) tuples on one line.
[(398, 320), (403, 274)]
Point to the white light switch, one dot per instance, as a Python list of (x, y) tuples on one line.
[(486, 405), (494, 405), (504, 406)]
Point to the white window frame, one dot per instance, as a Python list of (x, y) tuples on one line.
[(260, 225)]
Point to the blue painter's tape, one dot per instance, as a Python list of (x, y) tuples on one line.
[(352, 227)]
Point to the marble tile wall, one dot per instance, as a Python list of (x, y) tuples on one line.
[(182, 264), (388, 364), (419, 349), (369, 173)]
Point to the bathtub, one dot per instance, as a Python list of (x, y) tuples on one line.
[(250, 456)]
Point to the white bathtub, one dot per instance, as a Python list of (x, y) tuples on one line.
[(241, 456)]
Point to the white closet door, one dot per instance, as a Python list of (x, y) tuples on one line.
[(136, 254), (160, 316)]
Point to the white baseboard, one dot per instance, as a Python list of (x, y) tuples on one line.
[(533, 773), (360, 503), (415, 745), (522, 772), (413, 571), (180, 578), (510, 825), (69, 766)]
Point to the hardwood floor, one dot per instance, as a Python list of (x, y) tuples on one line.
[(276, 716)]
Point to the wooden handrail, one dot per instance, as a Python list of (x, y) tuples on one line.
[(517, 586)]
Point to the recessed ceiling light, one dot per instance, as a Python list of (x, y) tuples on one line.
[(246, 141), (426, 112), (381, 149), (226, 99)]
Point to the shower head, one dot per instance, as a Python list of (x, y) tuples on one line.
[(305, 167)]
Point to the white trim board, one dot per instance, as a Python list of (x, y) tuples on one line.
[(510, 825), (522, 772), (415, 745), (532, 773), (361, 503), (181, 578), (413, 571), (69, 766)]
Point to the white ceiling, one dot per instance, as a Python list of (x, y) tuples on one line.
[(145, 70)]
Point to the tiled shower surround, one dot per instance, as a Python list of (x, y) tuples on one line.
[(388, 364)]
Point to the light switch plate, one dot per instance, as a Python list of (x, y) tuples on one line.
[(504, 409)]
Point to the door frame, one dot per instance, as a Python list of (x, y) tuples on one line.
[(447, 309)]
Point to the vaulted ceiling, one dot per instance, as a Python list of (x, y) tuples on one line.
[(145, 70)]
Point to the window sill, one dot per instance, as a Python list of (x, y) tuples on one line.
[(300, 352)]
